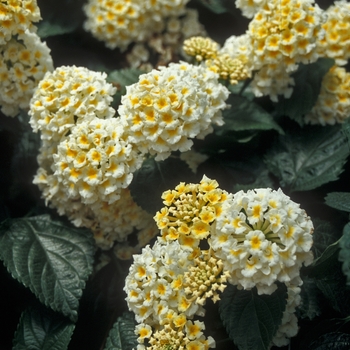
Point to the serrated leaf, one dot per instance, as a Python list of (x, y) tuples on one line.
[(344, 253), (216, 6), (309, 158), (338, 200), (41, 329), (251, 320), (51, 259), (308, 79), (331, 341), (153, 178), (246, 115), (122, 336)]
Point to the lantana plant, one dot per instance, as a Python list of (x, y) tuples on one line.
[(174, 174)]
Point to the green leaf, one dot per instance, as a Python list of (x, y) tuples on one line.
[(251, 320), (344, 253), (153, 178), (122, 336), (308, 79), (41, 329), (53, 260), (324, 235), (310, 299), (216, 6), (331, 341), (246, 115), (47, 28), (339, 200), (309, 158)]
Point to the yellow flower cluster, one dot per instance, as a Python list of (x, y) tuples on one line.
[(190, 212), (167, 107), (166, 287), (119, 23), (16, 16), (336, 41), (201, 48), (333, 102), (68, 96), (24, 60)]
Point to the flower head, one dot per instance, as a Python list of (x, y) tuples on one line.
[(336, 41), (250, 7), (16, 16), (333, 102), (170, 105), (261, 237), (24, 60), (68, 96), (201, 48)]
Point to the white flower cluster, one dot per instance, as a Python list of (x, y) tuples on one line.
[(119, 23), (24, 59), (16, 16), (336, 41), (280, 36), (169, 106), (262, 237), (85, 162), (333, 102), (255, 239), (166, 287), (166, 43)]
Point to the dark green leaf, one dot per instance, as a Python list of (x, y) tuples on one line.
[(251, 320), (246, 115), (324, 235), (216, 6), (308, 80), (154, 178), (51, 259), (339, 200), (122, 335), (309, 158), (322, 263), (47, 29), (41, 329), (331, 341), (344, 253), (310, 299)]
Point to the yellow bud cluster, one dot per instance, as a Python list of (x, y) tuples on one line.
[(228, 68), (201, 48)]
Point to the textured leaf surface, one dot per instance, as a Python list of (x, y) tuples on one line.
[(122, 336), (53, 260), (251, 320), (153, 178), (331, 341), (308, 159), (246, 115), (308, 79), (42, 329), (310, 299), (339, 200), (323, 236), (344, 253)]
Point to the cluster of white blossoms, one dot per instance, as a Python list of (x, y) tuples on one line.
[(250, 7), (16, 16), (165, 45), (336, 41), (255, 239), (262, 237), (85, 161), (333, 102), (166, 288), (119, 23), (167, 107), (24, 59)]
